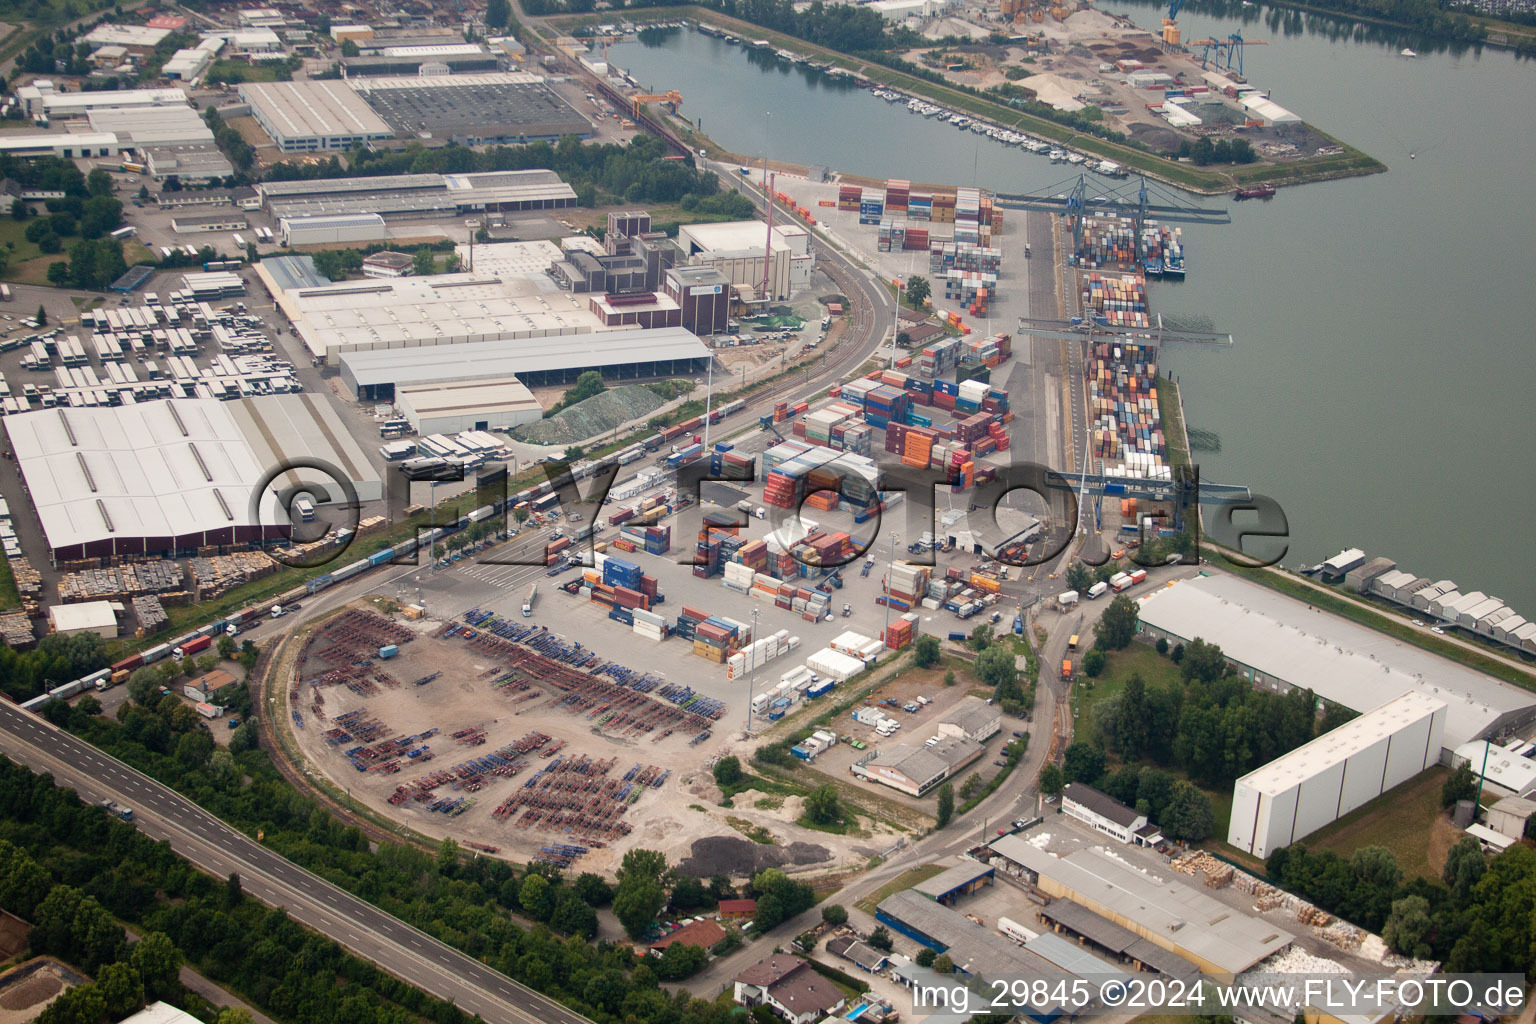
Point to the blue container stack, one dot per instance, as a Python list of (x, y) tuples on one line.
[(619, 573)]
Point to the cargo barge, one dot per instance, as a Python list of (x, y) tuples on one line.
[(1265, 191)]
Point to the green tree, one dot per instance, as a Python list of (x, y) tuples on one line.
[(18, 210), (926, 956), (1082, 762), (688, 895), (498, 14), (949, 677), (926, 652), (158, 964), (1376, 867), (573, 916), (1188, 815), (1116, 628), (423, 262), (537, 897), (880, 939), (1079, 577), (1202, 661), (121, 990), (917, 290), (1093, 663), (1460, 785), (636, 903), (946, 804), (226, 646), (349, 48), (41, 316), (822, 806), (834, 914), (588, 384), (1408, 927), (1052, 780), (728, 771), (942, 964), (995, 666), (1465, 866), (981, 637), (679, 961)]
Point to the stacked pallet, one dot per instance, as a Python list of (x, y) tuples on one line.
[(16, 630), (120, 582), (151, 615), (214, 576)]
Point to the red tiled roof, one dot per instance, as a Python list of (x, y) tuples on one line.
[(733, 907), (703, 934)]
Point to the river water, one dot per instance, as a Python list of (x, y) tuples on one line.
[(1379, 388)]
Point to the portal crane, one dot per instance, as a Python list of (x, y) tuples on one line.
[(1071, 198), (672, 98), (1232, 46)]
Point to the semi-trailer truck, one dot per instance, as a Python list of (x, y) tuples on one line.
[(533, 593)]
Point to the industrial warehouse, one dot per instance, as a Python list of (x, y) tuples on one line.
[(1279, 643), (415, 196), (1319, 782), (471, 109), (372, 375), (307, 116), (1201, 929), (166, 477)]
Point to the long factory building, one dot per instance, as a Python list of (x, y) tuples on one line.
[(1178, 918), (371, 375), (472, 109), (1319, 782), (409, 196), (453, 327), (169, 477), (1282, 644)]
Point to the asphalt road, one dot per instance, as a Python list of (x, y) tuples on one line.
[(360, 927)]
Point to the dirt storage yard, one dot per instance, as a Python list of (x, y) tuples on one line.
[(496, 744)]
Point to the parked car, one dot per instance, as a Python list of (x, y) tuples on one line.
[(1000, 762), (1437, 629), (1017, 734)]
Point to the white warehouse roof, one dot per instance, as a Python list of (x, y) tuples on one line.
[(433, 310), (1505, 768), (1339, 745), (491, 359), (312, 109), (126, 35), (91, 615), (1339, 660), (173, 469)]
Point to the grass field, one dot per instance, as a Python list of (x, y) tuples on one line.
[(1407, 820), (906, 880), (13, 236), (1087, 693)]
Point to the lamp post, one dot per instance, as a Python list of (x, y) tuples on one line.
[(752, 671)]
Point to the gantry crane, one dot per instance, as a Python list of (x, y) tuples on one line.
[(1071, 199), (1232, 46), (672, 98)]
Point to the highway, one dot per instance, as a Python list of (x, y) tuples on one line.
[(366, 931)]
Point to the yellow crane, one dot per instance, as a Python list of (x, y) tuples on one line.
[(671, 97)]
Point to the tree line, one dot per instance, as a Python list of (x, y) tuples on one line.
[(1480, 916), (74, 872), (536, 931)]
